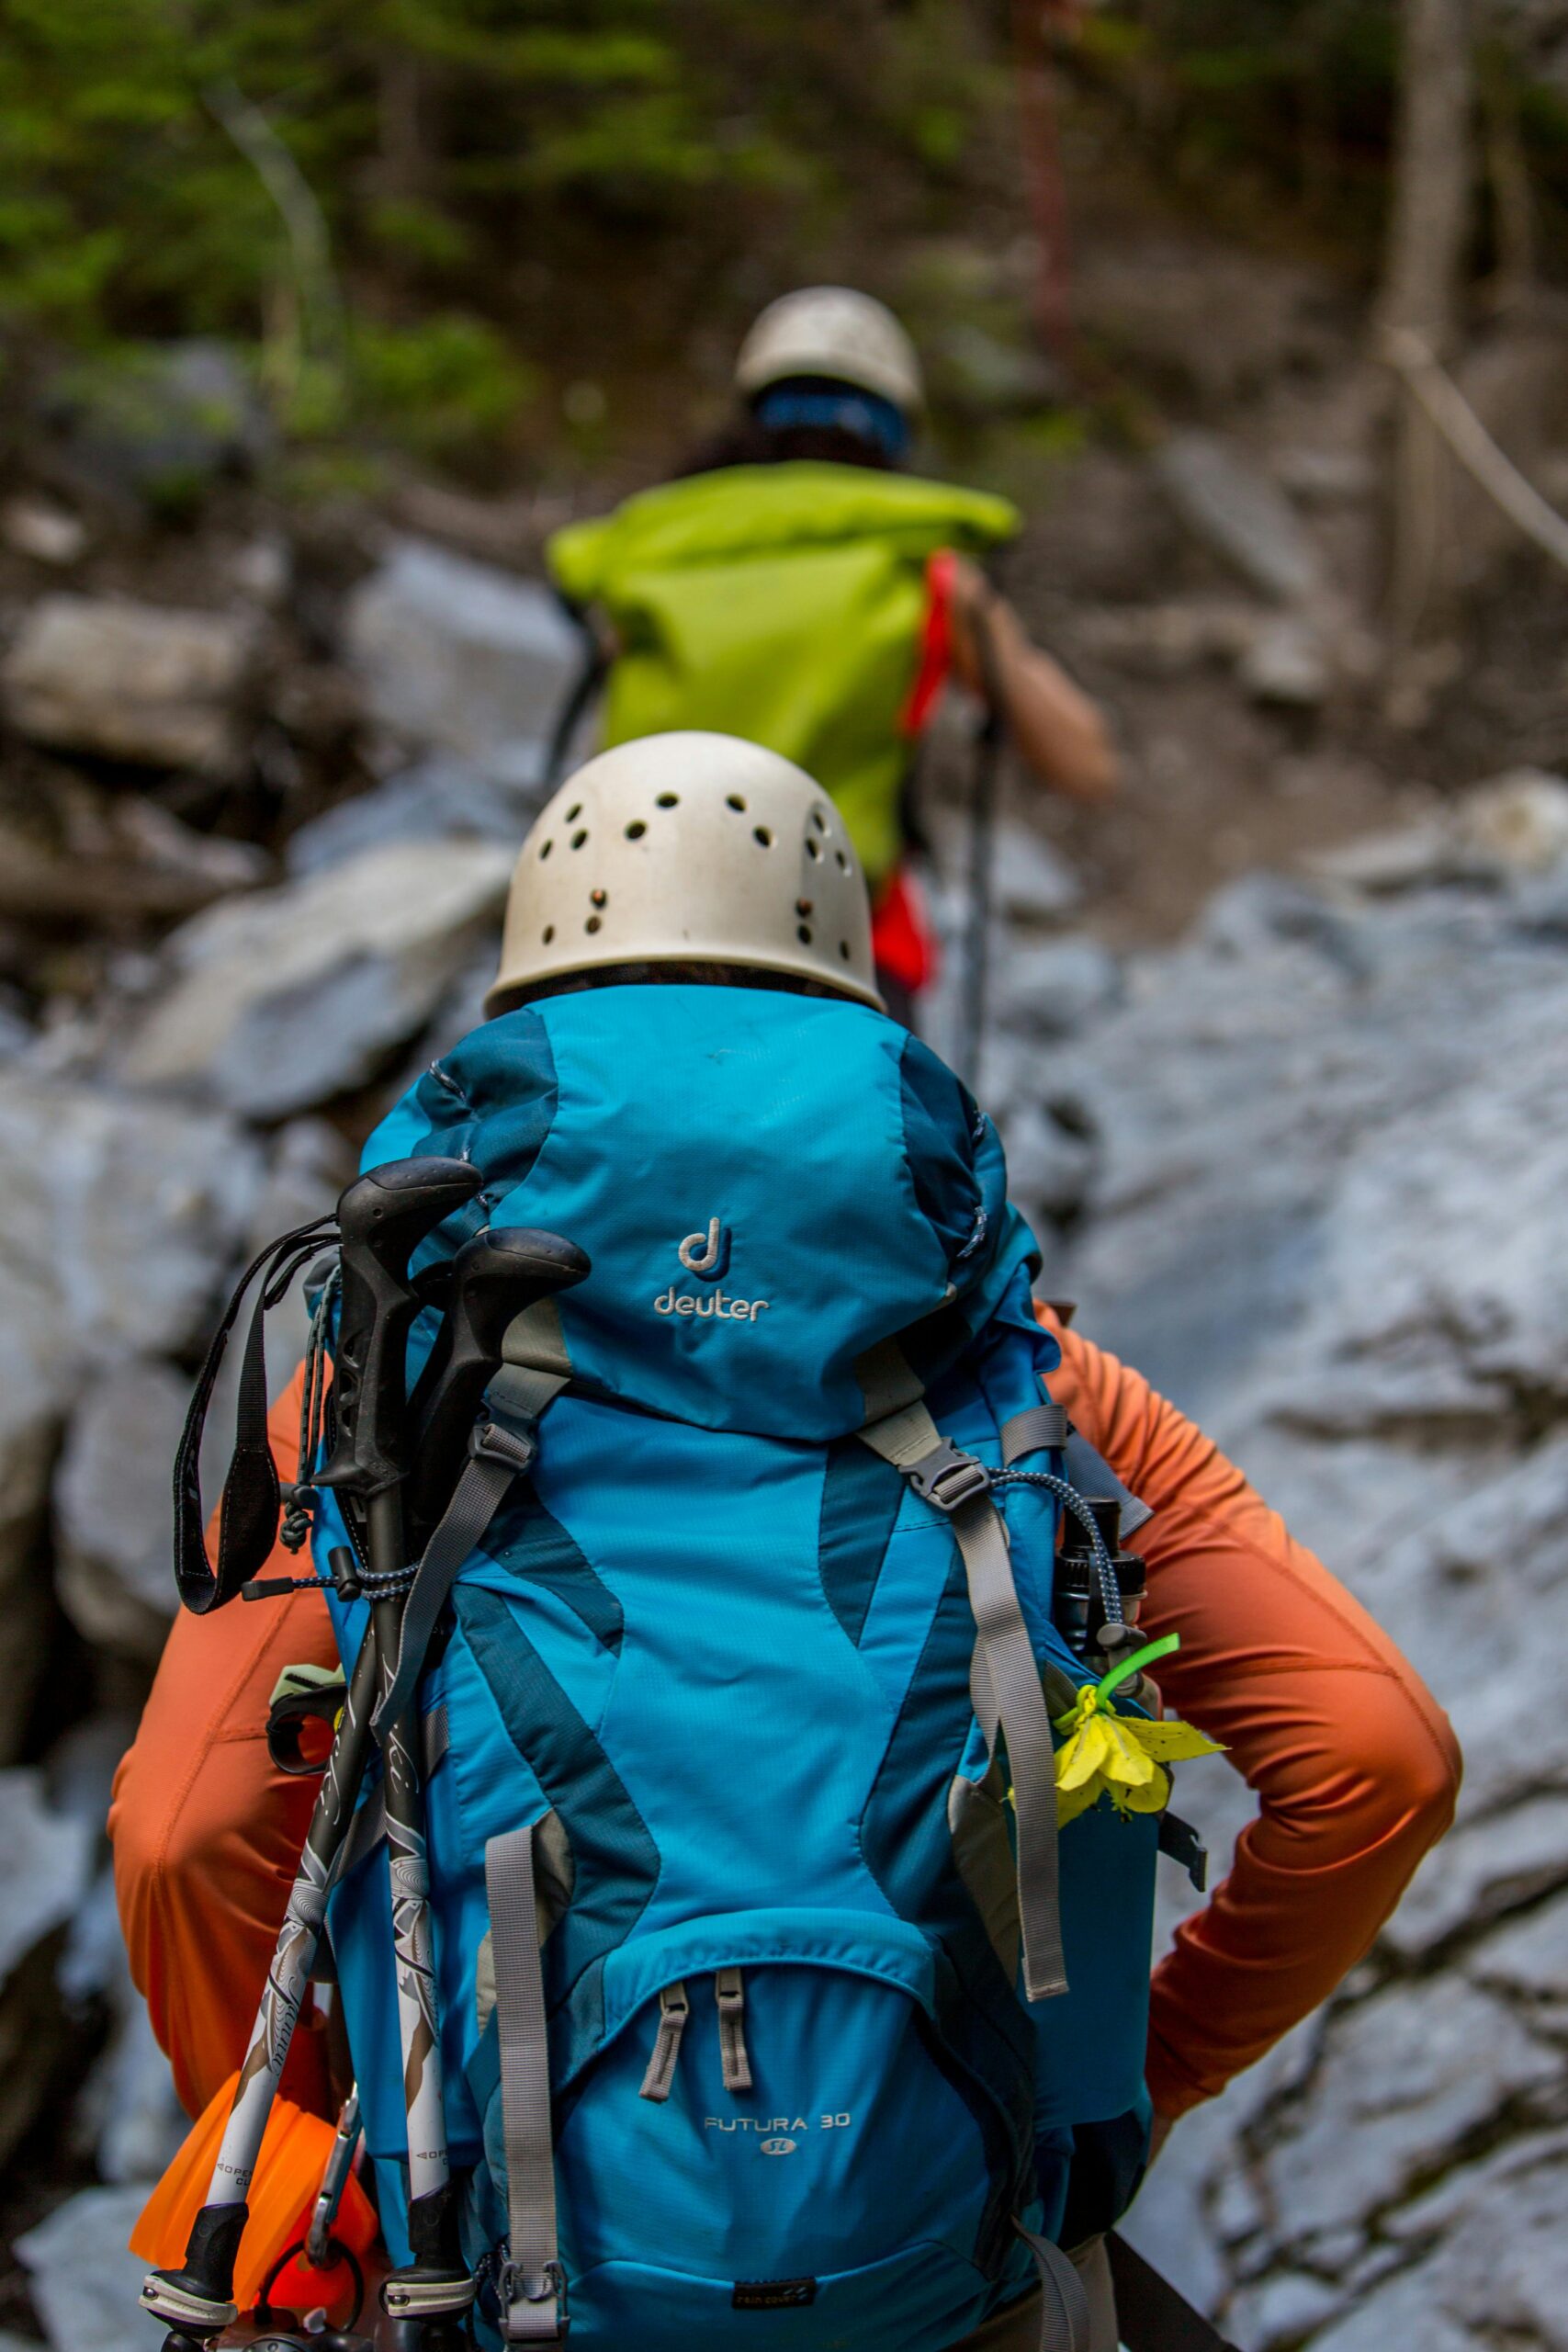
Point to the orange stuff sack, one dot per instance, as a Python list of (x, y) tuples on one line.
[(288, 2173)]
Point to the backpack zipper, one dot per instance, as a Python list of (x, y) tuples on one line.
[(729, 1992), (673, 2010)]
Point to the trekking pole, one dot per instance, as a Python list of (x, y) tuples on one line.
[(496, 1277), (382, 1218), (981, 829)]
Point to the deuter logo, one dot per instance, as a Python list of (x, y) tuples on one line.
[(707, 1255)]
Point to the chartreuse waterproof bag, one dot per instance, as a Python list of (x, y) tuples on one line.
[(785, 604), (774, 2006)]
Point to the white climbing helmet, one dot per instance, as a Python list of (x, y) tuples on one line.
[(688, 848), (832, 330)]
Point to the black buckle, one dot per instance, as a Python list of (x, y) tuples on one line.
[(947, 1478), (521, 2291)]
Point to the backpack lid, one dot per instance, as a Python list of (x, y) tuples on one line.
[(771, 1187)]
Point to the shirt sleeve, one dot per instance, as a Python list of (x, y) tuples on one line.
[(1354, 1765)]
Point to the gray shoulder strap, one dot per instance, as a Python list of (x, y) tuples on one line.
[(1004, 1675), (531, 2282)]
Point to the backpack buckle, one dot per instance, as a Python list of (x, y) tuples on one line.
[(527, 2297), (947, 1478), (514, 1450)]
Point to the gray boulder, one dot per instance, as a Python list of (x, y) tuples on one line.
[(120, 1220), (83, 2280), (113, 1511), (1238, 515), (46, 1860), (159, 422), (143, 683), (1048, 988), (462, 657), (289, 998), (440, 799)]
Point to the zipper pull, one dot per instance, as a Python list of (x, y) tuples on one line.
[(729, 1991), (673, 2011)]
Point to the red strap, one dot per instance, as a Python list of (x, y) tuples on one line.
[(902, 940), (936, 644)]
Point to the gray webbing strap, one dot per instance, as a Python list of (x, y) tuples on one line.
[(1004, 1676), (503, 1448), (1038, 1428), (532, 2283), (735, 2062), (1065, 2322), (1091, 1474)]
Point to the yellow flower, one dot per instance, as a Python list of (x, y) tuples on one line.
[(1121, 1757)]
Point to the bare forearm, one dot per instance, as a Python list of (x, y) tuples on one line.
[(1060, 731)]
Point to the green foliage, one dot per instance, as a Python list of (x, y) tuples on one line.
[(426, 151), (440, 385)]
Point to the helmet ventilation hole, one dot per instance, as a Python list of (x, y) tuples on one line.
[(845, 949), (812, 850), (736, 800), (548, 934), (600, 898), (843, 861), (574, 812), (545, 848), (802, 906), (820, 820), (580, 837), (635, 830), (760, 834), (802, 932), (593, 923), (668, 800)]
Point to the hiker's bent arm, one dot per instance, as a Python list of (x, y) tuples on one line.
[(1059, 730), (1354, 1764)]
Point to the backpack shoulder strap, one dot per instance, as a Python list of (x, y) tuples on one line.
[(1004, 1676)]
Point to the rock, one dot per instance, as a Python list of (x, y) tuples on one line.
[(1482, 1870), (1282, 2310), (1529, 1959), (39, 528), (143, 683), (1495, 2277), (1046, 989), (1049, 1168), (45, 1863), (1405, 2079), (286, 999), (101, 856), (983, 376), (463, 658), (1238, 515), (440, 799), (1169, 640), (120, 1219), (1031, 882), (113, 1511), (1515, 824), (85, 2280), (159, 422), (1287, 664)]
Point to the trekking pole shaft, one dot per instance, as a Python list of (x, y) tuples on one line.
[(207, 2276)]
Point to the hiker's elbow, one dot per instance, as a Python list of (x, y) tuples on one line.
[(1407, 1766)]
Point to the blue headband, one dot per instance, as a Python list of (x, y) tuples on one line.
[(866, 415)]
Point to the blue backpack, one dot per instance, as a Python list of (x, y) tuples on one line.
[(772, 2015)]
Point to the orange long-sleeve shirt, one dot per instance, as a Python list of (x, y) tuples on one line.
[(1353, 1763)]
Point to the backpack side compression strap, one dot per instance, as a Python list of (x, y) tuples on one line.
[(532, 2283), (1004, 1679)]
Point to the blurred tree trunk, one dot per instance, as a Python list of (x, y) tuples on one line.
[(1433, 169)]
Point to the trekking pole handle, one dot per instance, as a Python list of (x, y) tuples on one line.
[(496, 1277), (382, 1218)]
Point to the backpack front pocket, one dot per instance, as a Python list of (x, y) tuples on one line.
[(772, 2106)]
